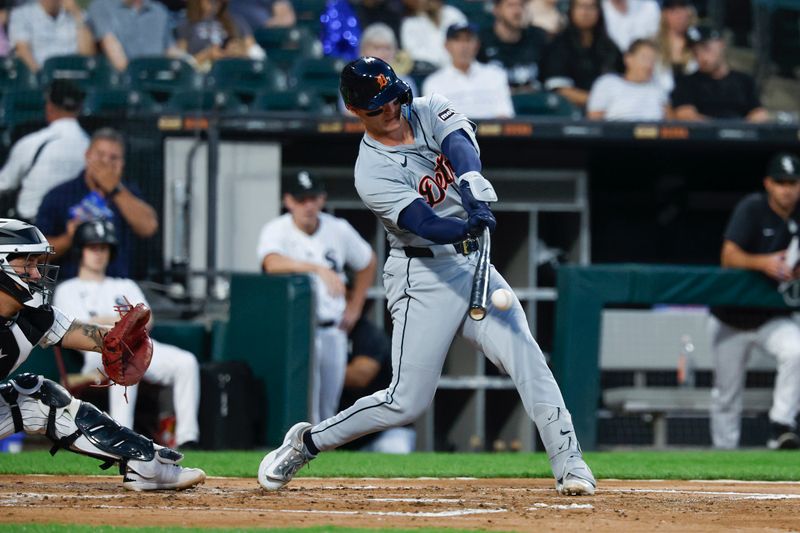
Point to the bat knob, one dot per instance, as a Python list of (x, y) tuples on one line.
[(477, 313)]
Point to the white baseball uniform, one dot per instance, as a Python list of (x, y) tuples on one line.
[(87, 300), (334, 244)]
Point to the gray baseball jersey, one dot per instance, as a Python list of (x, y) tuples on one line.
[(428, 298), (388, 178)]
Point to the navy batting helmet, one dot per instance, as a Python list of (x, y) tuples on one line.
[(369, 83)]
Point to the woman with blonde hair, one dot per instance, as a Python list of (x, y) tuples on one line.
[(674, 50)]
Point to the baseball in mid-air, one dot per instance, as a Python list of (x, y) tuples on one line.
[(502, 299)]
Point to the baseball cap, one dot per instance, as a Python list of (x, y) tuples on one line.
[(702, 33), (784, 167), (667, 4), (454, 29), (65, 94), (304, 184)]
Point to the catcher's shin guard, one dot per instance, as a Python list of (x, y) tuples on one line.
[(38, 405), (572, 475)]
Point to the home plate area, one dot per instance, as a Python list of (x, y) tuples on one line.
[(489, 504)]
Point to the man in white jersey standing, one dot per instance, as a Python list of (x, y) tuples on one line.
[(419, 171), (306, 240)]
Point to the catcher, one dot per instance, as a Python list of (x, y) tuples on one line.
[(37, 405)]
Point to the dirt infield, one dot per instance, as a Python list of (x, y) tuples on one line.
[(494, 504)]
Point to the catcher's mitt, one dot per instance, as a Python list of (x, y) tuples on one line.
[(127, 348)]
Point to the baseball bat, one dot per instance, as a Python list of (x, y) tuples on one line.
[(480, 282)]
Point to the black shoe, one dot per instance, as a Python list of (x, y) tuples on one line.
[(782, 437), (190, 445)]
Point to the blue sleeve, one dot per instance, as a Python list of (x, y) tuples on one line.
[(458, 148), (420, 219), (49, 219)]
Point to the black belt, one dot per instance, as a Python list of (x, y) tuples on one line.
[(326, 324), (465, 247)]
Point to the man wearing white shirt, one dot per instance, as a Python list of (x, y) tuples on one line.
[(628, 20), (306, 240), (46, 158), (478, 90), (46, 28)]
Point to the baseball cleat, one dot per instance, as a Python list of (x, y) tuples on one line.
[(577, 480), (782, 437), (280, 465), (161, 473)]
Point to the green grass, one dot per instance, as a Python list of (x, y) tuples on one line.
[(744, 465)]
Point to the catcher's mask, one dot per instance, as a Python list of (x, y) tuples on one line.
[(22, 240)]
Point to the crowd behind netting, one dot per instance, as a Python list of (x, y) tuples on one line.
[(603, 59)]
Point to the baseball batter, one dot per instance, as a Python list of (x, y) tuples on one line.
[(307, 240), (37, 405), (418, 170)]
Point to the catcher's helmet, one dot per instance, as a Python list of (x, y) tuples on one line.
[(369, 83), (20, 239), (99, 231)]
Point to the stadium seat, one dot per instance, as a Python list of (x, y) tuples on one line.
[(22, 105), (544, 104), (204, 100), (160, 77), (14, 74), (245, 77), (308, 13), (302, 100), (320, 75), (85, 71), (118, 103), (284, 46)]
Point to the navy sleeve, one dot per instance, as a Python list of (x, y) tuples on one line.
[(458, 148), (420, 219), (49, 218)]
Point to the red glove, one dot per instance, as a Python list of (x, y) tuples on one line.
[(127, 348)]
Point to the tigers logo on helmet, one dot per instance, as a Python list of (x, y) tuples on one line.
[(382, 81)]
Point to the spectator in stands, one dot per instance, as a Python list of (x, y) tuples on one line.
[(389, 12), (580, 54), (127, 29), (628, 20), (514, 45), (546, 15), (634, 95), (476, 89), (46, 158), (423, 33), (91, 297), (45, 28), (306, 240), (715, 90), (209, 32), (97, 192), (762, 235), (369, 370), (675, 54), (264, 13)]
